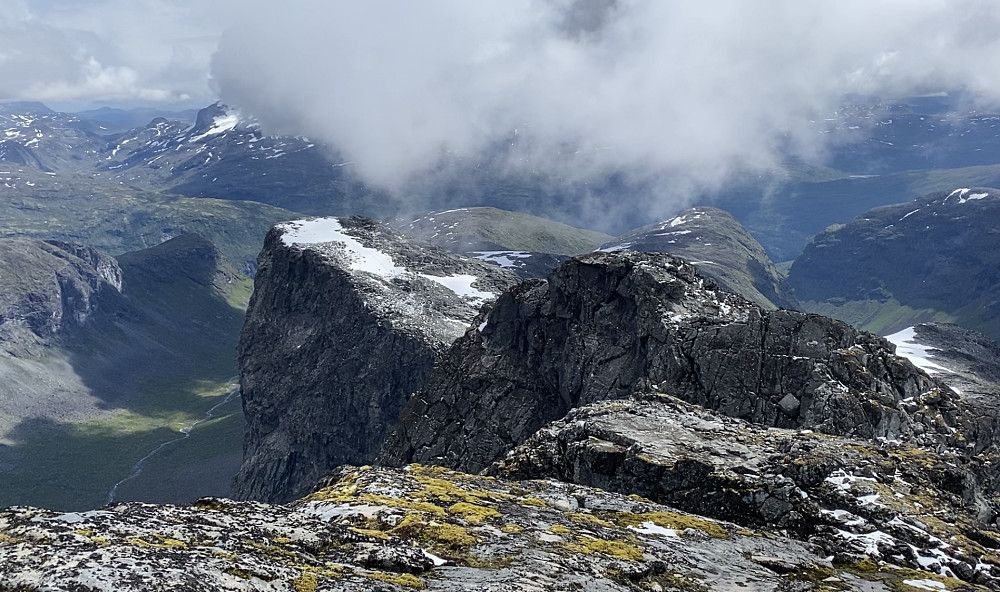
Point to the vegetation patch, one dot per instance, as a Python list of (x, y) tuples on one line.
[(450, 537), (678, 522), (158, 542), (473, 513), (619, 549), (404, 580)]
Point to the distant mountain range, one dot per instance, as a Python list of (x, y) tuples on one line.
[(879, 153)]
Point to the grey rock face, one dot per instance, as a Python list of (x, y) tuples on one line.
[(381, 530), (848, 496), (720, 247), (49, 288), (343, 326), (608, 324)]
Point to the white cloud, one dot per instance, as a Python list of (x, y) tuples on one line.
[(694, 89), (108, 50)]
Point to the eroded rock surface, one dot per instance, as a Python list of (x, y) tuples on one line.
[(378, 529), (607, 325), (48, 288), (346, 320), (908, 506)]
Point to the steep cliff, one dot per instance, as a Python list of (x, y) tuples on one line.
[(346, 320), (50, 288), (606, 325)]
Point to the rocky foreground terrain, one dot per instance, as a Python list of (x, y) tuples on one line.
[(429, 528), (623, 424)]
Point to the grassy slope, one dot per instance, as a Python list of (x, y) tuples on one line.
[(117, 219), (514, 231)]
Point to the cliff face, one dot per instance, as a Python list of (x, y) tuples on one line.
[(49, 288), (346, 320), (607, 325)]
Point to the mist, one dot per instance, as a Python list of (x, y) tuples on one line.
[(680, 96)]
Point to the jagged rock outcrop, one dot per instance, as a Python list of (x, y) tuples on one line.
[(48, 288), (384, 530), (720, 247), (346, 320), (607, 325), (912, 507)]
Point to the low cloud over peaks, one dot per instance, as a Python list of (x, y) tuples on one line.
[(694, 90)]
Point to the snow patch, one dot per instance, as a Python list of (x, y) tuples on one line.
[(926, 584), (438, 562), (504, 259), (461, 284), (917, 354), (221, 124), (329, 230), (653, 528)]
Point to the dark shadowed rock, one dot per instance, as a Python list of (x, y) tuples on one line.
[(606, 324), (714, 242), (346, 320)]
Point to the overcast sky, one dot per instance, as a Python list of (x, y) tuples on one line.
[(707, 87)]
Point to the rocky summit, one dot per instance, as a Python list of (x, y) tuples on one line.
[(608, 325), (858, 500), (346, 320)]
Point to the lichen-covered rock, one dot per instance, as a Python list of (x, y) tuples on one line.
[(607, 325), (420, 528), (346, 320), (908, 506)]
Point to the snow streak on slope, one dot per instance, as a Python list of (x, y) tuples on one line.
[(919, 355)]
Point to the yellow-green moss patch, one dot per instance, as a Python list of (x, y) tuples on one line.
[(619, 549), (473, 513), (405, 580)]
